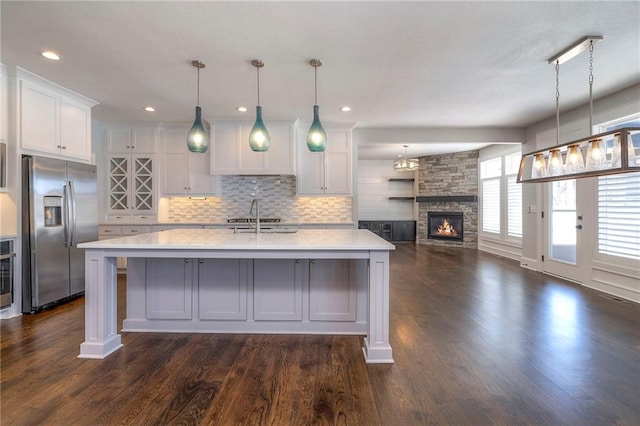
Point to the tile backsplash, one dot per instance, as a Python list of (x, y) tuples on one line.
[(277, 197)]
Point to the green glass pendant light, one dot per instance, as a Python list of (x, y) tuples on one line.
[(317, 137), (197, 138), (259, 137)]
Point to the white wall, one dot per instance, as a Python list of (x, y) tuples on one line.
[(374, 190)]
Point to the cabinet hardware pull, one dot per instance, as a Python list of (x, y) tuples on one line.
[(297, 260), (186, 261), (64, 147), (313, 261), (201, 261)]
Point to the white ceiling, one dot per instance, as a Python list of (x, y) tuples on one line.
[(397, 64)]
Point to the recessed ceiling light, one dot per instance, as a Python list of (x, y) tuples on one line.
[(149, 109), (50, 54), (345, 108), (242, 109)]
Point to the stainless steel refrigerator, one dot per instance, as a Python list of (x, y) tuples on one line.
[(59, 211)]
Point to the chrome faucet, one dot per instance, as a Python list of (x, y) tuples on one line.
[(255, 204)]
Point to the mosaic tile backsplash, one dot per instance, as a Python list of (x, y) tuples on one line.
[(277, 197)]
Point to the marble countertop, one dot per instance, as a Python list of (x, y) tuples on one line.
[(226, 239), (178, 224)]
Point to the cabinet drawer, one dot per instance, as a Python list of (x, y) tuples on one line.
[(108, 230), (135, 229)]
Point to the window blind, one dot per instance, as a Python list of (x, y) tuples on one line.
[(619, 215), (514, 207), (491, 205)]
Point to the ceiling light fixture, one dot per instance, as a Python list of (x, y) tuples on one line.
[(197, 138), (404, 164), (316, 137), (607, 153), (50, 54), (241, 109), (259, 137), (345, 108), (149, 109)]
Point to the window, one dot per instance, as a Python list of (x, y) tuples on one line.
[(501, 196), (618, 215)]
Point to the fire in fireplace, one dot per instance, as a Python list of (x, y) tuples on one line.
[(445, 225)]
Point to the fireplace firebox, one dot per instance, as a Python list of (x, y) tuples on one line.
[(445, 225)]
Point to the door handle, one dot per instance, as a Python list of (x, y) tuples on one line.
[(72, 211), (578, 226)]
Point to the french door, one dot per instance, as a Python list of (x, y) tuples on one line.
[(563, 223)]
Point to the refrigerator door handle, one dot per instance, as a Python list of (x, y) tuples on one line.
[(66, 216), (72, 217)]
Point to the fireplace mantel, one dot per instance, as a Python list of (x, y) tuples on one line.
[(447, 199)]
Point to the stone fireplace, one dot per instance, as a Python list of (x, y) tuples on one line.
[(448, 183)]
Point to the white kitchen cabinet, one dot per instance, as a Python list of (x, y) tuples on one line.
[(131, 139), (4, 104), (332, 290), (52, 123), (168, 283), (223, 288), (131, 186), (329, 172), (183, 172), (277, 289), (232, 155)]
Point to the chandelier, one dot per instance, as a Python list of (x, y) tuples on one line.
[(403, 163), (607, 153)]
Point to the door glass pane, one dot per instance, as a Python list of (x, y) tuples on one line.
[(562, 238)]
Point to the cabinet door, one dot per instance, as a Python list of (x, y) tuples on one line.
[(280, 157), (118, 183), (143, 140), (175, 162), (143, 181), (118, 140), (332, 291), (224, 158), (4, 106), (404, 231), (168, 288), (38, 118), (338, 176), (277, 289), (222, 289), (75, 129), (310, 167), (200, 179)]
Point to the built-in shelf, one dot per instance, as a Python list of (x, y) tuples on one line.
[(402, 198), (401, 179), (447, 199)]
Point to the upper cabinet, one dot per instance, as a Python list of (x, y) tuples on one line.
[(135, 140), (231, 154), (53, 120), (183, 172), (329, 172), (4, 104), (131, 172)]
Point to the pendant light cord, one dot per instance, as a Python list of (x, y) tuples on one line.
[(557, 102), (591, 87), (258, 78), (315, 96), (198, 95)]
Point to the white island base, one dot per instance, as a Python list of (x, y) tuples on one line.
[(215, 281)]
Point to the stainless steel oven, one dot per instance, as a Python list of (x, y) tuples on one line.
[(7, 256)]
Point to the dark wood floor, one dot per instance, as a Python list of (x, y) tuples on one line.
[(476, 340)]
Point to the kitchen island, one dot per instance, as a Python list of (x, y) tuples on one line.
[(220, 281)]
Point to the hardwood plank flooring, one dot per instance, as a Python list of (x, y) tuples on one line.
[(477, 340)]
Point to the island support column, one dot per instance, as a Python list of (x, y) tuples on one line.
[(376, 345), (100, 311)]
